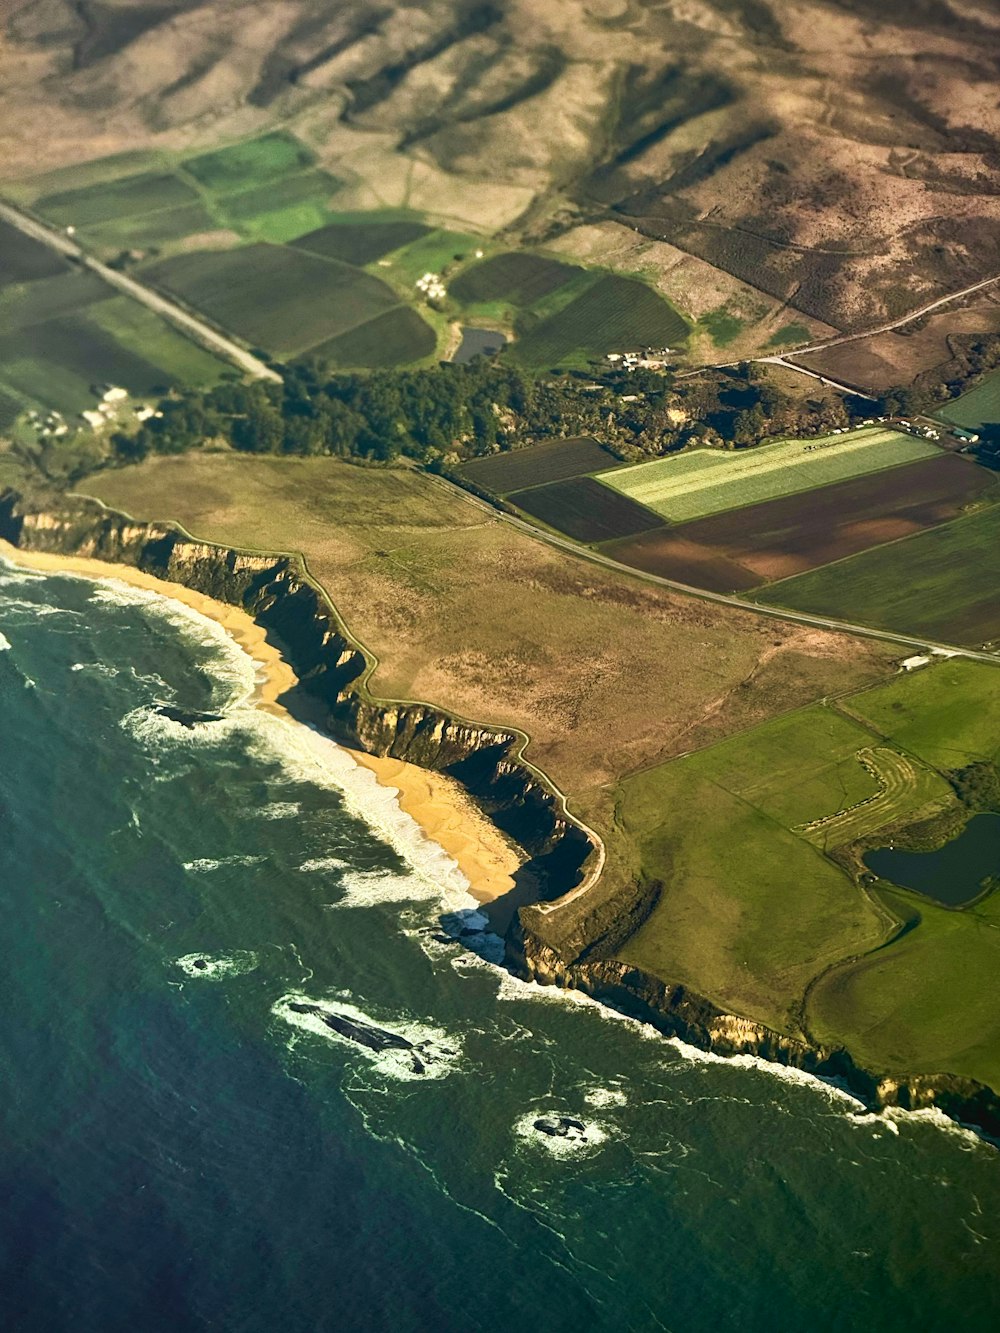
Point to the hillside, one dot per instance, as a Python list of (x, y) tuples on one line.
[(835, 155)]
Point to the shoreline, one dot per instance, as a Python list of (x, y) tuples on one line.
[(434, 801)]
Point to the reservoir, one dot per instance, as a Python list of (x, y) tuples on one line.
[(952, 875), (478, 342)]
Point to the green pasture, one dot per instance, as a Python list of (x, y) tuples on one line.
[(432, 253), (788, 334), (395, 338), (947, 713), (940, 583), (926, 1004), (280, 210), (178, 361), (253, 162), (708, 481), (612, 314), (722, 327), (978, 408), (750, 911)]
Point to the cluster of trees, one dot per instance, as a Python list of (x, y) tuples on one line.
[(977, 785), (443, 414)]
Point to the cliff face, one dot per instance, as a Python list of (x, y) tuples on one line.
[(332, 670), (678, 1012), (544, 944)]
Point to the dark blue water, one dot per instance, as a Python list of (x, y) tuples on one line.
[(953, 874), (180, 1149)]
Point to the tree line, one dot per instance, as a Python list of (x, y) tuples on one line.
[(443, 414)]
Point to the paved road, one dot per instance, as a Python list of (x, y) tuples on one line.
[(187, 323), (894, 323), (724, 599), (815, 375)]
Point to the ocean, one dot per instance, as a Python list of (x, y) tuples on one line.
[(187, 1143)]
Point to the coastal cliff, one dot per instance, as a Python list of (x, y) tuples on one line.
[(332, 671), (545, 943), (679, 1012)]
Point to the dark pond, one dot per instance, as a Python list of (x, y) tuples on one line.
[(952, 875), (478, 342)]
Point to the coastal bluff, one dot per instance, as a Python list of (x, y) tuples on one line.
[(332, 669), (571, 944)]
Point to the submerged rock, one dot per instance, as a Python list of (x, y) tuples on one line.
[(561, 1126), (187, 717)]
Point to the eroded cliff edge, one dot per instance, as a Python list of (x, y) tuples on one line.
[(332, 670), (556, 946)]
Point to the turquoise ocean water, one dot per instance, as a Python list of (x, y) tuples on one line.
[(183, 1149)]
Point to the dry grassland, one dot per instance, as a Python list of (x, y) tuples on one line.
[(606, 675)]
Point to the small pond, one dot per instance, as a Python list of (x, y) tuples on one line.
[(952, 875), (478, 342)]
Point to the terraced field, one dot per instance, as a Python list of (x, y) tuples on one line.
[(707, 482), (904, 785)]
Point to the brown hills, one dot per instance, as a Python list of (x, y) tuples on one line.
[(838, 155)]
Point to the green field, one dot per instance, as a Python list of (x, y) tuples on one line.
[(432, 253), (150, 230), (282, 299), (29, 303), (927, 1004), (948, 713), (754, 916), (940, 583), (131, 196), (57, 363), (751, 910), (394, 338), (612, 314), (253, 162), (280, 210), (978, 408), (707, 481), (25, 260)]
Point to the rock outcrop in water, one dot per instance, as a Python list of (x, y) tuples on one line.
[(570, 949)]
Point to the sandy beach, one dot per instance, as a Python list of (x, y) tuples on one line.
[(435, 801)]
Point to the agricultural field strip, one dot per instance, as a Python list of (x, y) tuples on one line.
[(660, 483), (896, 776)]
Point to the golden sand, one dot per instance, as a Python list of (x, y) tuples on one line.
[(435, 801)]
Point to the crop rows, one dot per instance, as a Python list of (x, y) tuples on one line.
[(707, 482)]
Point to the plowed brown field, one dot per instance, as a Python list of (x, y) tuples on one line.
[(778, 538)]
